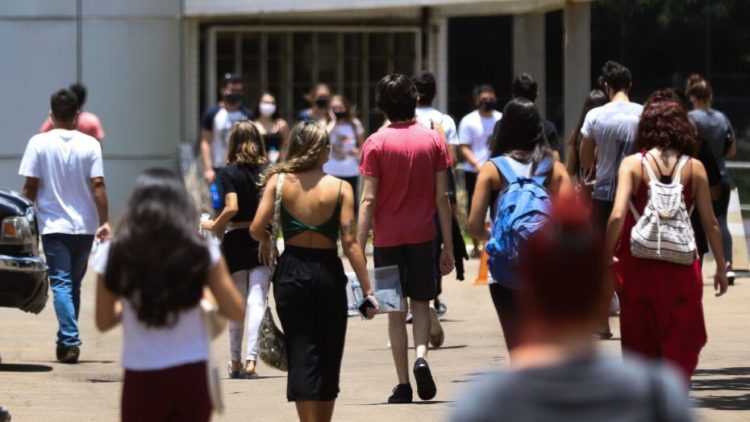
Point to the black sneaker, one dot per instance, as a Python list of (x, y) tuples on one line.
[(425, 385), (68, 354), (402, 393)]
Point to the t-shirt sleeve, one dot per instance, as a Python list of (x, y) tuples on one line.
[(443, 160), (97, 166), (30, 161), (465, 135), (481, 401), (449, 127), (588, 125), (207, 120), (100, 258), (672, 401), (370, 162), (227, 178)]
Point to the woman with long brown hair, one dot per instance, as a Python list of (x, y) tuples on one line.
[(316, 210)]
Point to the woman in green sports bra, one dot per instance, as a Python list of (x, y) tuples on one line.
[(309, 283)]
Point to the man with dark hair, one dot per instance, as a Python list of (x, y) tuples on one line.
[(474, 132), (65, 178), (558, 374), (404, 166), (216, 124), (86, 122), (608, 133), (525, 86)]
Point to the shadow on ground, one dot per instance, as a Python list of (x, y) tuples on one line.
[(728, 379), (24, 367)]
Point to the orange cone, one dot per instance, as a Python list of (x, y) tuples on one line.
[(484, 271)]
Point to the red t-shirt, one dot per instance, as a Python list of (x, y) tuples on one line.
[(87, 123), (404, 157)]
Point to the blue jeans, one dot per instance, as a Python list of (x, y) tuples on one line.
[(67, 259)]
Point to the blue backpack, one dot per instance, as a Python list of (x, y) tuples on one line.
[(521, 209)]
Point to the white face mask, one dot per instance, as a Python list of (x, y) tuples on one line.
[(267, 109)]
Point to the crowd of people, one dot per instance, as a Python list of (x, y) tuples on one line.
[(600, 223)]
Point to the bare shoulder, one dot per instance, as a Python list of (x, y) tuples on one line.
[(632, 162)]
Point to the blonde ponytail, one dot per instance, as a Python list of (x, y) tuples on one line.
[(307, 141)]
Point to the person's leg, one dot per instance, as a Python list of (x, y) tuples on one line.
[(193, 401), (399, 345), (721, 209), (256, 307), (470, 182), (506, 307), (240, 279), (61, 282), (421, 281), (315, 411), (602, 211), (80, 249)]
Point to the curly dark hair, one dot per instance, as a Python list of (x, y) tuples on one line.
[(158, 260), (665, 125), (396, 96)]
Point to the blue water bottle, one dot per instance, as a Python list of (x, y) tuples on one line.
[(215, 198), (359, 296)]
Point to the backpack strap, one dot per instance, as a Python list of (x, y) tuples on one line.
[(678, 168), (649, 170), (543, 170), (505, 169)]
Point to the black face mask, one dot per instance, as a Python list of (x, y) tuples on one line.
[(487, 105), (340, 115), (233, 98), (322, 102)]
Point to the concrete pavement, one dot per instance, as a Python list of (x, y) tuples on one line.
[(36, 388)]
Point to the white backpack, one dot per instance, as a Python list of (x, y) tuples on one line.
[(664, 231)]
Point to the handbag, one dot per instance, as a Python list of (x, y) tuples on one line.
[(271, 344)]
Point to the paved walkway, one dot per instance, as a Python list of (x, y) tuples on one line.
[(36, 388)]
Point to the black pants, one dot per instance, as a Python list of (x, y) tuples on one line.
[(508, 311), (602, 210), (309, 286), (354, 182)]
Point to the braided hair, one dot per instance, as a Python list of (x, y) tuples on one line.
[(307, 141)]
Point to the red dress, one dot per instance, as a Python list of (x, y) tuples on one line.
[(661, 313)]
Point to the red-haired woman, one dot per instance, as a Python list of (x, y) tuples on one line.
[(661, 310)]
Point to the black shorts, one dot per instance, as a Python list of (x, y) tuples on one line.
[(415, 266), (240, 250)]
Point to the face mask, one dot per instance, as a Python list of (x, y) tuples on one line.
[(340, 115), (322, 102), (233, 98), (487, 105), (267, 109)]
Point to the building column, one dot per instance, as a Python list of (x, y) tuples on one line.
[(437, 60), (577, 67), (529, 51)]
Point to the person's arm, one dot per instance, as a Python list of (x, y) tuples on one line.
[(469, 156), (732, 150), (231, 207), (227, 297), (352, 249), (447, 261), (481, 201), (710, 224), (561, 183), (588, 153), (366, 210), (621, 206), (571, 156), (208, 167), (47, 125), (102, 207), (108, 306), (30, 188)]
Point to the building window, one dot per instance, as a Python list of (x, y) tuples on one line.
[(288, 62)]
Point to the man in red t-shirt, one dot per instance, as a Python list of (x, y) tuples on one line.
[(86, 122), (405, 165)]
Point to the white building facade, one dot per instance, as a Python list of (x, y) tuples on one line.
[(152, 66)]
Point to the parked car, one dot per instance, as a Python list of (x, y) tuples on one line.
[(23, 273)]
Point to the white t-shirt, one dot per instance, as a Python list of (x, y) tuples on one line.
[(427, 114), (146, 348), (613, 127), (341, 163), (64, 161), (475, 130), (222, 127)]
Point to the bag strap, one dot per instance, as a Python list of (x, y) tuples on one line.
[(545, 166), (276, 222), (505, 169), (678, 168), (649, 170)]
